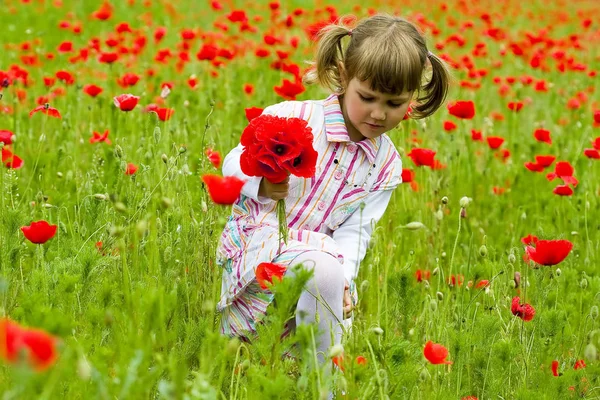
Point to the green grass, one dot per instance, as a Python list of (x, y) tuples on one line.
[(138, 319)]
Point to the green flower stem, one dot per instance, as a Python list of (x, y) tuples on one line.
[(283, 226)]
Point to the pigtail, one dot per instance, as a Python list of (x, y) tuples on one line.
[(435, 90), (325, 69)]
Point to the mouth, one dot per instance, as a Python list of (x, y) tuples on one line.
[(374, 126)]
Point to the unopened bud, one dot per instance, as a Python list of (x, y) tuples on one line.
[(444, 255), (424, 375), (594, 312), (141, 227), (440, 296), (511, 258), (182, 149), (157, 134), (558, 272), (426, 285), (377, 330), (433, 305), (413, 226), (464, 202), (483, 251), (120, 207), (100, 196), (59, 174), (166, 202), (84, 370), (118, 151), (590, 353), (164, 158), (435, 271), (583, 284), (463, 213), (439, 215), (444, 200), (336, 351)]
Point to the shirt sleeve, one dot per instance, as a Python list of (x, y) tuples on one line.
[(231, 163), (354, 234)]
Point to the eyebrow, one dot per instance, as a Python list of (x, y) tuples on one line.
[(370, 94)]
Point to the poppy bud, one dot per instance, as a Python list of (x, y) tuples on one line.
[(118, 151), (84, 370), (583, 284), (590, 352), (377, 330), (100, 196), (433, 305), (182, 149), (511, 258), (364, 285), (157, 134), (483, 251), (439, 215), (440, 296), (424, 375), (444, 255), (336, 351), (435, 271), (517, 279), (558, 272), (426, 284), (445, 200), (512, 284), (413, 226), (59, 175), (464, 202), (166, 202), (411, 331), (120, 207), (594, 312)]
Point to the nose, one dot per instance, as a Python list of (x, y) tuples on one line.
[(378, 114)]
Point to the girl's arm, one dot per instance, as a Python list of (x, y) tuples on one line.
[(354, 234)]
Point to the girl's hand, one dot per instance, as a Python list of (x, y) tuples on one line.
[(348, 307), (274, 191)]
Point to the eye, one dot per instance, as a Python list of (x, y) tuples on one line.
[(366, 99), (396, 105)]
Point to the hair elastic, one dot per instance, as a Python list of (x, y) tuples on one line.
[(429, 54), (349, 32)]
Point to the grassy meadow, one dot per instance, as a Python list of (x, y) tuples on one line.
[(129, 284)]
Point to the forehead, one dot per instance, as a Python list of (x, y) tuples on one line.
[(365, 87)]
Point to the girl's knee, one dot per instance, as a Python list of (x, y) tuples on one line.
[(327, 270)]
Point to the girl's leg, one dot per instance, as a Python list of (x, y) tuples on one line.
[(323, 295)]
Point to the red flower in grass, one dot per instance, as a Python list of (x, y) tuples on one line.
[(436, 353), (361, 360), (6, 137), (592, 153), (597, 116), (339, 361), (104, 12), (38, 347), (563, 190), (408, 175), (131, 169), (266, 272), (580, 364), (223, 190), (92, 90), (449, 126), (39, 232), (494, 141), (164, 114), (126, 102), (483, 283), (253, 112), (274, 147), (11, 160), (555, 368), (422, 157), (214, 157), (108, 58), (563, 170), (545, 161), (462, 109), (596, 142), (289, 90), (542, 135), (534, 167), (524, 311), (548, 252), (46, 109), (476, 135), (100, 137), (422, 275), (515, 106)]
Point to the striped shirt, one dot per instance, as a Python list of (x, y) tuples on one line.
[(334, 211)]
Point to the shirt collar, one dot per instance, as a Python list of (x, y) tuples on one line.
[(336, 131)]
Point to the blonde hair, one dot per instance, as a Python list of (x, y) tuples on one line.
[(387, 51)]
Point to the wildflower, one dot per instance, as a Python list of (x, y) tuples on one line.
[(449, 126), (436, 353), (548, 252), (555, 368), (289, 90), (214, 157), (92, 90), (164, 114), (108, 58), (422, 275), (265, 272), (223, 190), (37, 346), (361, 360), (97, 137), (494, 141), (515, 106), (126, 102), (46, 109), (39, 232), (6, 137), (524, 311), (592, 153), (422, 157), (131, 169), (11, 160), (579, 365), (462, 109), (542, 135), (563, 190), (253, 112)]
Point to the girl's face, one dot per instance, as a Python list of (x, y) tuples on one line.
[(368, 113)]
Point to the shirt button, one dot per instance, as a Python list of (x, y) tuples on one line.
[(306, 227), (338, 175), (321, 205), (352, 148), (340, 258)]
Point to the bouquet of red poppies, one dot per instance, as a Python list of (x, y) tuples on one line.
[(274, 148)]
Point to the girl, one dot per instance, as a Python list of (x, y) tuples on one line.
[(331, 216)]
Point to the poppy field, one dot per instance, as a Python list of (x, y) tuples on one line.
[(481, 280)]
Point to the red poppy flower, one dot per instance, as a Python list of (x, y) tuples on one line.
[(527, 240), (38, 346), (248, 88), (579, 365), (534, 167), (207, 52), (265, 272), (92, 90), (128, 79), (98, 137), (422, 275), (436, 353), (545, 161), (11, 160), (524, 311), (482, 284), (39, 232), (476, 135), (555, 368), (542, 135), (462, 109), (46, 109), (407, 175), (126, 102), (108, 58), (275, 147), (494, 141), (549, 252), (361, 360), (104, 12), (131, 169), (422, 157), (596, 142), (592, 153), (6, 137), (597, 116), (563, 190), (563, 170), (214, 157), (515, 106), (449, 126), (339, 361), (252, 113), (223, 190), (164, 114), (289, 90)]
